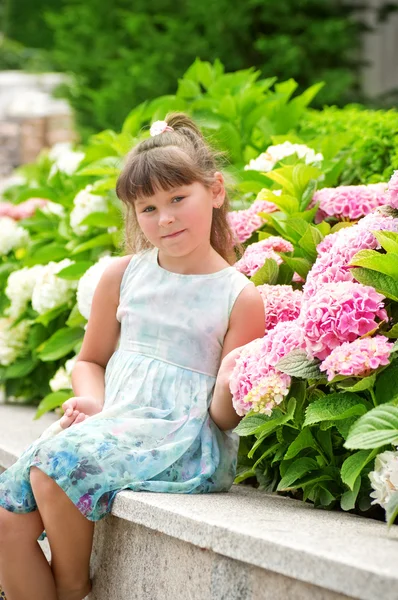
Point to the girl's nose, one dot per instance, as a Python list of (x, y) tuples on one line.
[(165, 220)]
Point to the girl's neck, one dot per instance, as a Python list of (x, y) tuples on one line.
[(202, 260)]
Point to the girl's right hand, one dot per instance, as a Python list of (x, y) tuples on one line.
[(79, 408)]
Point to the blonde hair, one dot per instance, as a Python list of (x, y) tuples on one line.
[(171, 159)]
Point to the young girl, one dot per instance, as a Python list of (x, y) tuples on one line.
[(155, 413)]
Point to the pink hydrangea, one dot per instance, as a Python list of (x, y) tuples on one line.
[(359, 357), (21, 211), (255, 383), (349, 201), (256, 254), (281, 302), (339, 312), (245, 222), (393, 190)]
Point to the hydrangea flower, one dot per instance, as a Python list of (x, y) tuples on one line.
[(19, 289), (393, 190), (359, 357), (245, 222), (51, 291), (267, 160), (384, 478), (11, 235), (281, 303), (62, 378), (12, 341), (256, 254), (87, 284), (84, 204), (339, 312), (349, 201), (64, 158)]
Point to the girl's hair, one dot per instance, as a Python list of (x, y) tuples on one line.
[(168, 160)]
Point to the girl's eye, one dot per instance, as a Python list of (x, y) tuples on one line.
[(149, 209), (178, 198)]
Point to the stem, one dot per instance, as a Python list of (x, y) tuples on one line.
[(372, 394)]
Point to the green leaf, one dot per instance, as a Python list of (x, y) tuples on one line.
[(75, 318), (388, 240), (105, 239), (305, 439), (392, 333), (392, 509), (301, 266), (61, 343), (382, 263), (353, 465), (348, 499), (52, 401), (334, 407), (297, 364), (51, 314), (48, 252), (310, 241), (283, 176), (376, 428), (101, 219), (268, 273), (295, 471), (250, 424), (76, 270), (386, 388), (21, 368), (384, 284), (355, 385)]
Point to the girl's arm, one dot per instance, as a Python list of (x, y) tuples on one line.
[(102, 334), (247, 323)]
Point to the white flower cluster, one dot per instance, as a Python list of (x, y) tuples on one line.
[(62, 378), (53, 208), (49, 290), (268, 159), (85, 203), (65, 159), (12, 341), (87, 284), (11, 235), (19, 290), (384, 478)]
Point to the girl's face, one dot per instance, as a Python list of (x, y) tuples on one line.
[(179, 220)]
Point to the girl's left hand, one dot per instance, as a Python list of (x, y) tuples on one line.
[(228, 364)]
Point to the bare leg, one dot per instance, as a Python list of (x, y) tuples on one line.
[(24, 571), (70, 536)]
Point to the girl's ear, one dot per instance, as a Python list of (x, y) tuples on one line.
[(218, 189)]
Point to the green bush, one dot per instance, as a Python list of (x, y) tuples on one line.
[(374, 140), (135, 52)]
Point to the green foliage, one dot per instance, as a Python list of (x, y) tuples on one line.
[(373, 137), (132, 53)]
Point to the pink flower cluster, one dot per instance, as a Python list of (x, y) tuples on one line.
[(245, 222), (281, 303), (359, 357), (255, 383), (339, 312), (23, 210), (393, 190), (349, 201), (256, 254)]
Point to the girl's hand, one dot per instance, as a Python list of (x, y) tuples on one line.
[(228, 365), (79, 408)]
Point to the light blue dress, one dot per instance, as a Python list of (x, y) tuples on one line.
[(154, 432)]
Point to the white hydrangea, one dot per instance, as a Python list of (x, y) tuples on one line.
[(384, 478), (19, 289), (12, 341), (11, 235), (87, 284), (62, 378), (85, 203), (53, 208), (51, 291), (268, 159), (65, 159)]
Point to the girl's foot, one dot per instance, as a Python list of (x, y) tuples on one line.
[(76, 594)]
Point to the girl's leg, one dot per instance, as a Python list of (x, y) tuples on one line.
[(70, 536), (24, 571)]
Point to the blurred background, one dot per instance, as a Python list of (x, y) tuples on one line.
[(100, 60)]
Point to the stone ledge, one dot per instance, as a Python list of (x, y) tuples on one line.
[(335, 551)]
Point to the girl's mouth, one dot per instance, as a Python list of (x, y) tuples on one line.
[(173, 235)]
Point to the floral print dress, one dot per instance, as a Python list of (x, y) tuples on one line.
[(154, 432)]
